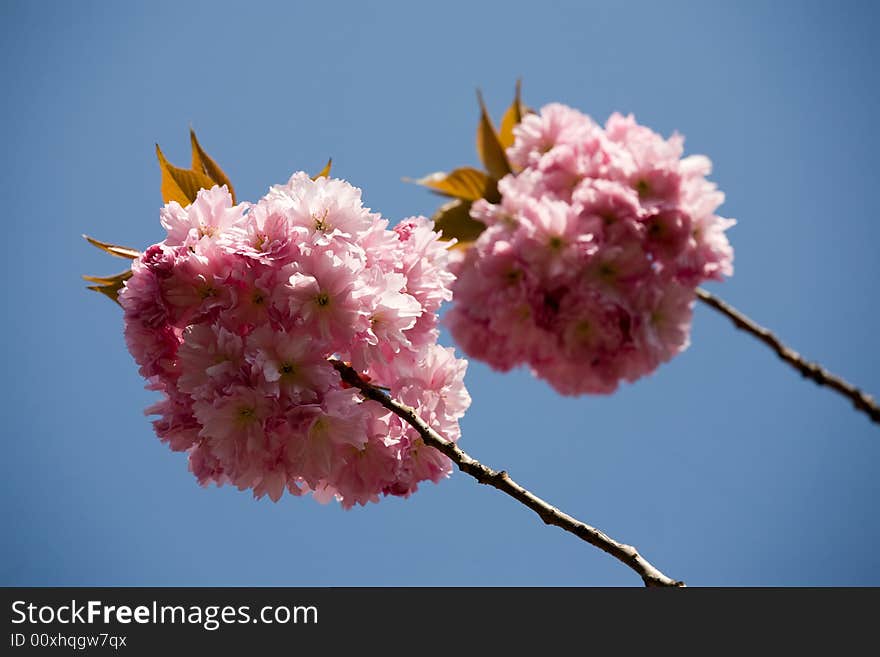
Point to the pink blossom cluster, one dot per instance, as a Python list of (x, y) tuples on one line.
[(233, 318), (588, 268)]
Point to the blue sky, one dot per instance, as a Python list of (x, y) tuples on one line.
[(724, 467)]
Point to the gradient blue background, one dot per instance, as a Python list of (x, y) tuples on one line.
[(724, 467)]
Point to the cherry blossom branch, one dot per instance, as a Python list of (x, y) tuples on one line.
[(502, 481), (809, 370)]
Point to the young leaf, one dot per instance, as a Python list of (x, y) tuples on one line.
[(488, 147), (325, 172), (454, 220), (512, 118), (109, 286), (113, 249), (178, 184), (465, 183), (202, 163)]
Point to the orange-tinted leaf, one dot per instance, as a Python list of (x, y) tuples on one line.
[(325, 172), (109, 286), (107, 280), (511, 119), (466, 183), (113, 249), (489, 149), (455, 222), (181, 185), (202, 163)]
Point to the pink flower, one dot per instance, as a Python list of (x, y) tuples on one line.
[(209, 217), (236, 415), (419, 463), (178, 426), (433, 382), (252, 286), (423, 261), (328, 434), (196, 286), (326, 295), (289, 363), (587, 270), (393, 314), (211, 358), (539, 134), (320, 210), (265, 236), (549, 236), (667, 324), (233, 318)]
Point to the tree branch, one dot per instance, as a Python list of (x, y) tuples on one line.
[(502, 481), (861, 400)]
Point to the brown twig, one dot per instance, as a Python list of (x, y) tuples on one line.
[(502, 481), (861, 400)]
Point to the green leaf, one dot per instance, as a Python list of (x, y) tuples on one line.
[(489, 148), (113, 249), (512, 118), (455, 222), (202, 163), (466, 183), (181, 185), (325, 172), (109, 286)]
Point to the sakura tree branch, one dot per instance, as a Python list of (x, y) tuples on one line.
[(502, 481), (861, 400)]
